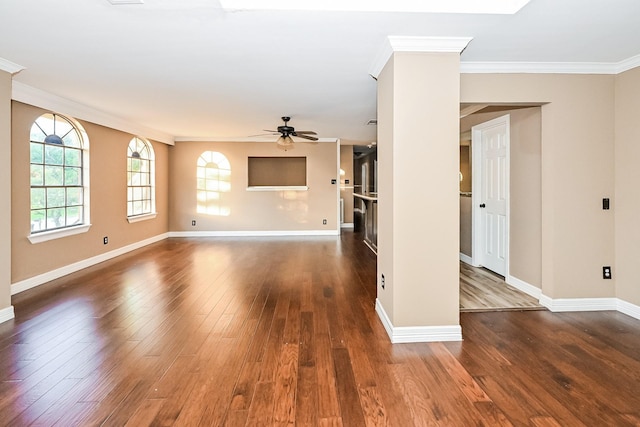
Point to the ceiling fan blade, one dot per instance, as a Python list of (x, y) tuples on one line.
[(309, 132), (310, 138), (263, 134)]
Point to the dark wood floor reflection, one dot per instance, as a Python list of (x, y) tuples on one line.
[(282, 331)]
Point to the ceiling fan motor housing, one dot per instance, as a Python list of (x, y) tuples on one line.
[(286, 130)]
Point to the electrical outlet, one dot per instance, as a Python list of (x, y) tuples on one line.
[(606, 272), (324, 222), (382, 281), (105, 240), (193, 222)]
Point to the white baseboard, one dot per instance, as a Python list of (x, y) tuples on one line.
[(254, 233), (346, 225), (413, 334), (523, 286), (629, 309), (579, 304), (370, 246), (466, 259), (32, 282), (7, 314), (591, 304)]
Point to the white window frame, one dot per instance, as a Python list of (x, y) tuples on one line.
[(132, 218), (213, 180), (47, 235)]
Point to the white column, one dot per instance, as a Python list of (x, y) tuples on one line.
[(7, 69)]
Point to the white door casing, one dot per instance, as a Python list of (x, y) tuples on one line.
[(490, 194)]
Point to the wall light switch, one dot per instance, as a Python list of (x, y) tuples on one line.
[(605, 204)]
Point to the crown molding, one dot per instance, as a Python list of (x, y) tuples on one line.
[(39, 98), (10, 67), (428, 44), (628, 64), (416, 44), (538, 67), (550, 67)]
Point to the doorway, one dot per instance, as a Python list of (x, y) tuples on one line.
[(522, 224), (490, 143)]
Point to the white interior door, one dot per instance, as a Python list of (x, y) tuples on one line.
[(490, 148)]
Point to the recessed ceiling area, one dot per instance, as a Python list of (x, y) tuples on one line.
[(193, 69), (412, 6)]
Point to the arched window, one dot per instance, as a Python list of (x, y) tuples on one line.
[(59, 182), (140, 178), (214, 179)]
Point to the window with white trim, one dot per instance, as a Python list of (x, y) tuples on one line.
[(59, 178), (140, 178), (213, 183)]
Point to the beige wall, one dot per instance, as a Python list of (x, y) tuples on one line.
[(525, 193), (418, 221), (5, 190), (386, 194), (346, 190), (465, 168), (256, 210), (465, 225), (574, 238), (625, 202), (108, 168), (465, 200), (577, 171)]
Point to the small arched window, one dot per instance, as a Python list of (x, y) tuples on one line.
[(214, 179), (59, 184), (140, 178)]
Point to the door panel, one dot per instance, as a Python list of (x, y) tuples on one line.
[(493, 197)]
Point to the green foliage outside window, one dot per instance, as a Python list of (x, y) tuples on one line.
[(56, 174)]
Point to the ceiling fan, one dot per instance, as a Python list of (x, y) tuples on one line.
[(286, 132)]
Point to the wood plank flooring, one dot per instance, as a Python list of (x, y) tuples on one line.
[(282, 331), (483, 290)]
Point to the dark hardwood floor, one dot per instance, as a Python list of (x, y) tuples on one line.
[(282, 331)]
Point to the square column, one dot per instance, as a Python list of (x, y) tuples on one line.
[(418, 190), (7, 69)]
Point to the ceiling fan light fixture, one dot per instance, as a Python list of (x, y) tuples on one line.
[(285, 142)]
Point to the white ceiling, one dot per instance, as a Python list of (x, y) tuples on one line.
[(190, 69)]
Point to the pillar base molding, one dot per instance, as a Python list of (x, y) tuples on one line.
[(414, 334), (7, 314)]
